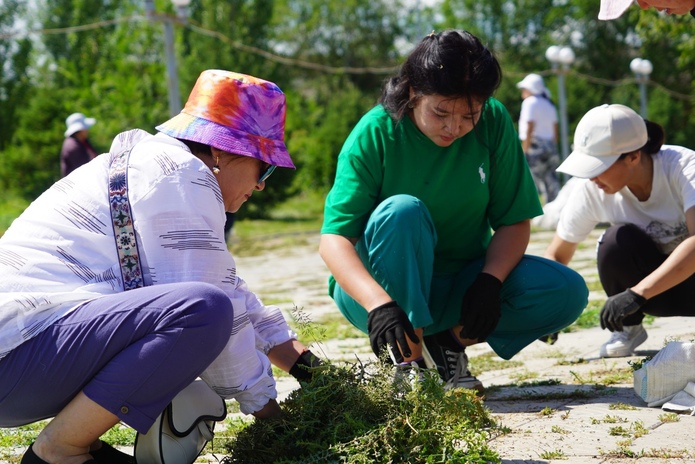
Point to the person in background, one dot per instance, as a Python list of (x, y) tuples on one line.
[(428, 219), (538, 134), (612, 9), (118, 289), (646, 192), (76, 150)]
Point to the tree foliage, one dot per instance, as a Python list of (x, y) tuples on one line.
[(329, 56)]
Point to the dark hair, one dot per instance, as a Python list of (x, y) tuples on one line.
[(197, 148), (655, 139), (452, 63)]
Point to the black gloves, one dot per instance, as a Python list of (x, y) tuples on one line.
[(481, 307), (388, 324), (302, 368), (618, 307)]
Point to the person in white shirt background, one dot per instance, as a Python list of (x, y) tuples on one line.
[(646, 192), (538, 135), (118, 289)]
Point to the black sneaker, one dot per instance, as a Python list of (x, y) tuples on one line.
[(452, 364)]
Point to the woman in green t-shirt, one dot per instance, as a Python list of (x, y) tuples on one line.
[(427, 222)]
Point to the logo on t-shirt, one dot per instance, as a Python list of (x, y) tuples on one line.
[(482, 174)]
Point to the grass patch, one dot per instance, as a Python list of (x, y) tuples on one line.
[(302, 213), (524, 375), (589, 317), (608, 376), (669, 417), (621, 407), (11, 206), (20, 436), (487, 362), (355, 413), (556, 454), (594, 285)]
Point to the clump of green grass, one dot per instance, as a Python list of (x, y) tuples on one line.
[(589, 317), (553, 454), (355, 414)]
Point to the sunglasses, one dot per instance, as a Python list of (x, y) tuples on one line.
[(267, 170)]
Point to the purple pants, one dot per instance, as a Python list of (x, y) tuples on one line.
[(131, 353)]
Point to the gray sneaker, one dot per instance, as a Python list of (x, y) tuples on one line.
[(452, 365)]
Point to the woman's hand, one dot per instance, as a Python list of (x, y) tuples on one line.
[(481, 307), (271, 410), (388, 326)]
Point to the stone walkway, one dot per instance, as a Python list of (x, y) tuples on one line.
[(559, 403), (575, 407)]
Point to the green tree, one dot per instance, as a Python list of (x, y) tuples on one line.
[(14, 80), (520, 33)]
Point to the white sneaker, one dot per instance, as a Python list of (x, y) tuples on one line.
[(407, 376), (623, 343)]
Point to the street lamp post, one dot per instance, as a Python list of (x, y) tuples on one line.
[(642, 69), (560, 58), (172, 72)]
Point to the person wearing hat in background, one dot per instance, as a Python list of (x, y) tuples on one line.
[(76, 345), (77, 150), (646, 192), (538, 135), (612, 9)]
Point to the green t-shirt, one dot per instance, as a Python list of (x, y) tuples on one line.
[(479, 182)]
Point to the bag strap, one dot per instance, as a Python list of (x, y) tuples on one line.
[(122, 218)]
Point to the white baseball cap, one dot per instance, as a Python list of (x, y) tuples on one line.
[(534, 84), (77, 122), (611, 9), (602, 135)]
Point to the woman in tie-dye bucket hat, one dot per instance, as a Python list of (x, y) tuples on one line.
[(118, 289)]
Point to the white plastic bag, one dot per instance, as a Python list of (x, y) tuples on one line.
[(683, 401), (667, 373)]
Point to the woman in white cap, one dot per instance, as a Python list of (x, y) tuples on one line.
[(118, 289), (646, 191), (538, 134), (612, 9), (76, 150)]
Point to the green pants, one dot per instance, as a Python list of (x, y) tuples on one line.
[(539, 297)]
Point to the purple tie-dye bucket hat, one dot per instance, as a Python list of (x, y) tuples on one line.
[(236, 113)]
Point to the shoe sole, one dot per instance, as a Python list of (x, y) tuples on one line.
[(607, 353)]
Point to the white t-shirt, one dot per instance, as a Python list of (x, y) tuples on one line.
[(61, 252), (542, 113), (662, 216)]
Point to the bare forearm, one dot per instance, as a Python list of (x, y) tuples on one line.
[(506, 249), (678, 267), (286, 354)]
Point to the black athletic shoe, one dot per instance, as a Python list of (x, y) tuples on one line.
[(452, 364)]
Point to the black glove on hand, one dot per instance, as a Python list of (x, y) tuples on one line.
[(618, 307), (388, 324), (481, 307), (302, 368)]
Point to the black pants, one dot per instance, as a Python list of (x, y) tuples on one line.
[(626, 255)]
